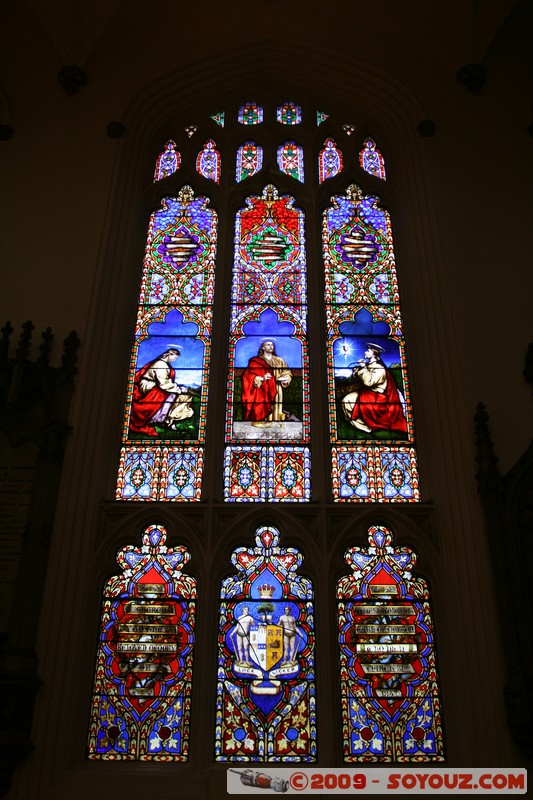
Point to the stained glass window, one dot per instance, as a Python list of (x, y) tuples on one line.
[(267, 427), (267, 443), (167, 162), (250, 114), (164, 422), (329, 161), (371, 419), (141, 699), (249, 160), (289, 114), (291, 160), (389, 689), (208, 161), (265, 691), (371, 159), (266, 694)]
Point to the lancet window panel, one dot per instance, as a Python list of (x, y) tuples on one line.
[(208, 162), (167, 162), (391, 708), (371, 418), (267, 423), (371, 160), (249, 160), (165, 415), (142, 691), (266, 709), (330, 161), (291, 160)]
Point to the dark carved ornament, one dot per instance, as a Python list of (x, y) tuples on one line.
[(472, 77), (72, 78), (116, 130), (34, 403), (508, 502), (426, 128)]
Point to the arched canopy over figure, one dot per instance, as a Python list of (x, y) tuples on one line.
[(376, 405), (263, 382), (156, 397)]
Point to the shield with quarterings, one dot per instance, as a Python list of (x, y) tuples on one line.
[(266, 645)]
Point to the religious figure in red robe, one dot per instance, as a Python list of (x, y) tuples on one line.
[(377, 404), (157, 398), (263, 382)]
